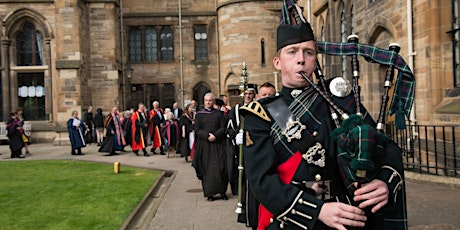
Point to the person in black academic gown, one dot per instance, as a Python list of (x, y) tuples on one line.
[(186, 126), (15, 136), (126, 125), (114, 140), (210, 157)]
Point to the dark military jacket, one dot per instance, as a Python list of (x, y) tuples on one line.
[(280, 172)]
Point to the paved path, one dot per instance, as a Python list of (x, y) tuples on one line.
[(178, 202)]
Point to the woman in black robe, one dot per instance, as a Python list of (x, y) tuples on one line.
[(186, 126), (114, 139), (126, 126), (15, 136)]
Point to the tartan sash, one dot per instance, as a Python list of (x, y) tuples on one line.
[(405, 81)]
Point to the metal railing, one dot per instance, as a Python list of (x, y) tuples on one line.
[(27, 128), (429, 149)]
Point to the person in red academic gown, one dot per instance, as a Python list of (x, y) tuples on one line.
[(156, 120), (139, 128)]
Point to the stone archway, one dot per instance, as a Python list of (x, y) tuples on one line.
[(199, 90), (374, 74)]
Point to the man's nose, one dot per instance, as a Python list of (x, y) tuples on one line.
[(300, 58)]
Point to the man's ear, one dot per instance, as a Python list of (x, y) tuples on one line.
[(276, 63)]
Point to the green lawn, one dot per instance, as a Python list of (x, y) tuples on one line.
[(69, 194)]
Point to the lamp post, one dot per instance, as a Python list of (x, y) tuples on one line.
[(128, 71)]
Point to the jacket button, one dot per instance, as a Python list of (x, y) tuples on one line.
[(317, 177)]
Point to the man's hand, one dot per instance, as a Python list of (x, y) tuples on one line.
[(211, 137), (374, 193), (338, 215)]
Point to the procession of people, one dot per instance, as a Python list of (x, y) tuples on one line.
[(231, 150), (278, 152), (156, 130)]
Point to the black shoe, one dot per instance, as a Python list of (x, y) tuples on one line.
[(224, 197), (137, 154), (19, 156), (163, 153), (211, 198), (146, 154), (73, 153), (112, 154), (186, 158), (152, 150)]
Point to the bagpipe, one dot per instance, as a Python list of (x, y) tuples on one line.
[(360, 146)]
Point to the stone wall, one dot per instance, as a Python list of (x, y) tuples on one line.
[(382, 22)]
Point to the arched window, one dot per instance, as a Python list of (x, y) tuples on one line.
[(31, 84), (198, 93), (29, 46), (262, 52)]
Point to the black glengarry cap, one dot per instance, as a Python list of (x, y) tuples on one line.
[(293, 27)]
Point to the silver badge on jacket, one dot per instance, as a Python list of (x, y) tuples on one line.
[(293, 129)]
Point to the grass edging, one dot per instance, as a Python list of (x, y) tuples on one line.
[(142, 202)]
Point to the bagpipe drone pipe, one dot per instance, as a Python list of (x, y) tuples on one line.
[(362, 147)]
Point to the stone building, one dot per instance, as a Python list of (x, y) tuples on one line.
[(60, 56), (427, 32)]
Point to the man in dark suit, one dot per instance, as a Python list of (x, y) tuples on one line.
[(176, 111)]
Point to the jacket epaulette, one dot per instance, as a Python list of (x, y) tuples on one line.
[(256, 109)]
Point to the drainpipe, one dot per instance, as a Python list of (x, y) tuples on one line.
[(181, 56), (122, 53), (218, 51), (411, 54)]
